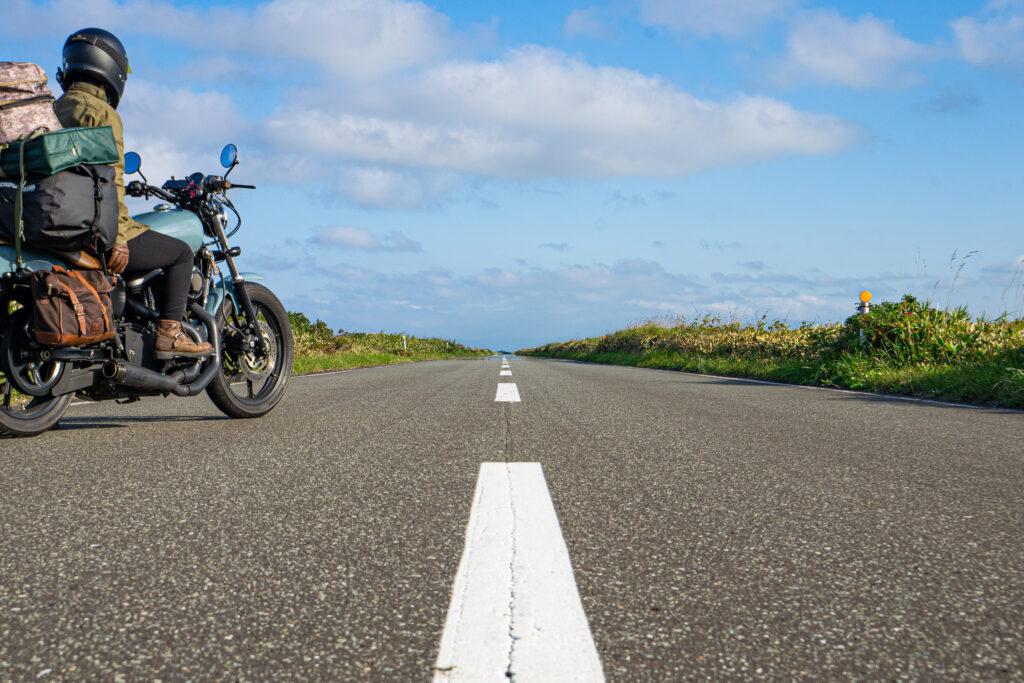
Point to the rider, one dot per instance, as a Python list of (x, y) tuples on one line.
[(93, 73)]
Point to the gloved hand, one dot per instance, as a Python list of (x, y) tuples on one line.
[(117, 259)]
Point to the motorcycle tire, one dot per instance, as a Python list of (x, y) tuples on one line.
[(22, 414), (249, 384), (38, 415)]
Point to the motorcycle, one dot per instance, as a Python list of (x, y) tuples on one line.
[(246, 324)]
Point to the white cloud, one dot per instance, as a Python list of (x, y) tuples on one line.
[(994, 39), (730, 18), (863, 53), (348, 237), (528, 306), (179, 114), (178, 131), (359, 39), (384, 187), (541, 113), (355, 38)]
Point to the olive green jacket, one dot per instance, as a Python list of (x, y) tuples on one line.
[(85, 105)]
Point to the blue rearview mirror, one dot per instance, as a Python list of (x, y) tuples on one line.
[(132, 163), (228, 156)]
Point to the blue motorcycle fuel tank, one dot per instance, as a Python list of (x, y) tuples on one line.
[(179, 223)]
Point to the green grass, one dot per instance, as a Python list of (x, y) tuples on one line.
[(905, 347), (345, 360), (317, 349)]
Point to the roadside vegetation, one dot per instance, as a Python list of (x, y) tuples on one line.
[(905, 347), (318, 349)]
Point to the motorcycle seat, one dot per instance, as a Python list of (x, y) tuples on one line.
[(79, 259)]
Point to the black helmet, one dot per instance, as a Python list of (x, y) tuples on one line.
[(97, 55)]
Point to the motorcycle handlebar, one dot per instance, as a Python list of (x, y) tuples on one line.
[(220, 184), (137, 188)]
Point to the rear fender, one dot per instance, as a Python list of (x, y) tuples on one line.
[(32, 259)]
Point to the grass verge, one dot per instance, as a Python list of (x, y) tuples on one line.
[(317, 349), (346, 360), (905, 347)]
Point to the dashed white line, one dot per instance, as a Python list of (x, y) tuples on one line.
[(507, 393), (505, 373), (515, 611)]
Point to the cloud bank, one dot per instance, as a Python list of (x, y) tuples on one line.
[(539, 113), (824, 47), (996, 38)]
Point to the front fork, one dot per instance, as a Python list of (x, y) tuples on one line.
[(241, 294)]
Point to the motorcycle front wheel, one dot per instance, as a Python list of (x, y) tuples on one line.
[(250, 383)]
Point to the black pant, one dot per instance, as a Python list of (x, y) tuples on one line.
[(152, 250)]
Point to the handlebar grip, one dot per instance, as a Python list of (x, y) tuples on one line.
[(135, 188), (220, 184)]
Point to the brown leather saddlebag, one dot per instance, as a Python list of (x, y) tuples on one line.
[(72, 307)]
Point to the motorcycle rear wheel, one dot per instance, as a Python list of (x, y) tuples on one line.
[(22, 415), (249, 384)]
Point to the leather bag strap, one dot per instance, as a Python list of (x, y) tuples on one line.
[(106, 319), (79, 308)]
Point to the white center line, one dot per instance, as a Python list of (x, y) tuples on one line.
[(507, 393), (505, 373), (515, 611)]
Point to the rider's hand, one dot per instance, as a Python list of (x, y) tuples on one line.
[(117, 259)]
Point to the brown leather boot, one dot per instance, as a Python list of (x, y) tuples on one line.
[(171, 342)]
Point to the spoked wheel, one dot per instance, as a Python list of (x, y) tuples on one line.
[(27, 407), (251, 380)]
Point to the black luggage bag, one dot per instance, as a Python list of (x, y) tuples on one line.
[(73, 209)]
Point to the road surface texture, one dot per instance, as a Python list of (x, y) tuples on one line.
[(717, 528)]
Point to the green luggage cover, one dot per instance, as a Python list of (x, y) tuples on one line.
[(52, 152)]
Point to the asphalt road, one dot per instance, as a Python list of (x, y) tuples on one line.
[(717, 528)]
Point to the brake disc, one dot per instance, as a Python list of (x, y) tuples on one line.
[(254, 366)]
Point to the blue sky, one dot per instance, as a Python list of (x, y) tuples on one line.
[(510, 174)]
